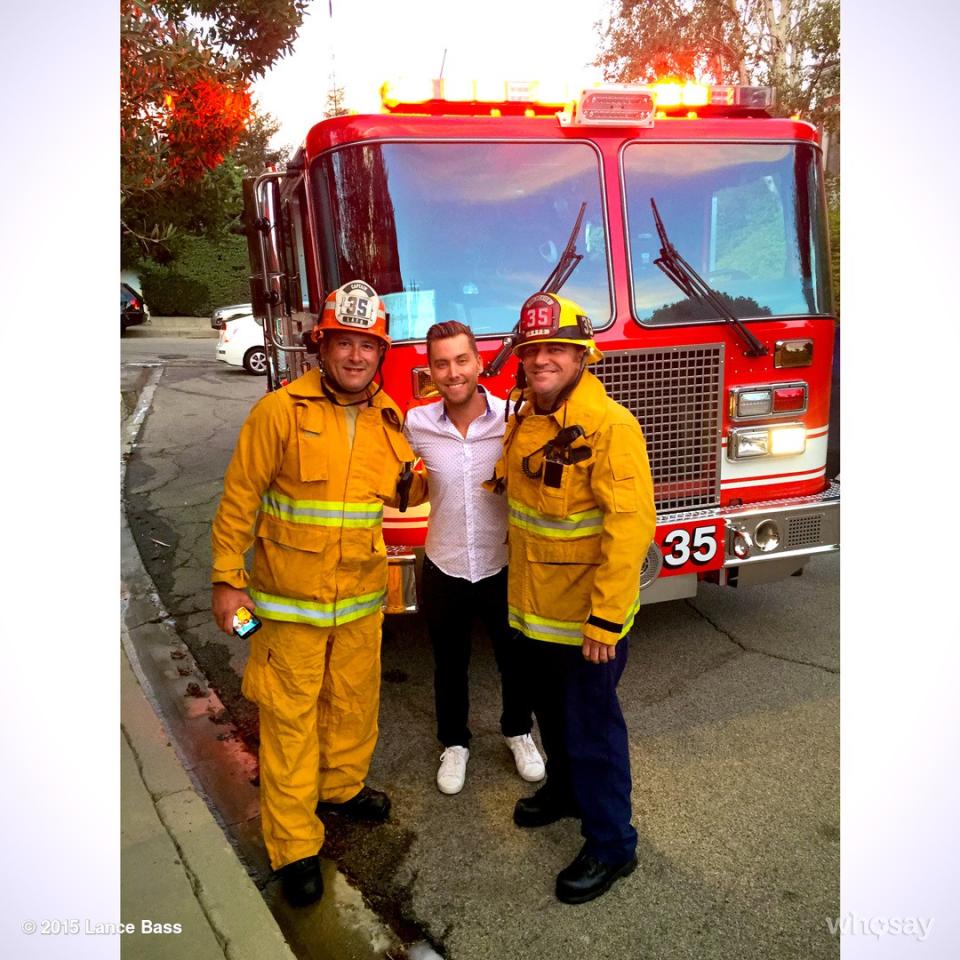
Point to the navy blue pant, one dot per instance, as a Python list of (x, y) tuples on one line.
[(449, 606), (585, 739)]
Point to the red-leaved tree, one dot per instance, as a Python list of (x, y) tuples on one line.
[(185, 99)]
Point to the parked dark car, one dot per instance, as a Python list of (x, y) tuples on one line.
[(221, 315), (132, 308)]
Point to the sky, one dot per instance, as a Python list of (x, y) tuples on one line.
[(367, 42)]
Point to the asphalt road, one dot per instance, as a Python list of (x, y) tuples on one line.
[(731, 699)]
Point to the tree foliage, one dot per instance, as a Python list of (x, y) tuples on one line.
[(336, 104), (792, 45), (185, 106)]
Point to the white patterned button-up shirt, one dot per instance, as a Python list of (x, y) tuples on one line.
[(466, 536)]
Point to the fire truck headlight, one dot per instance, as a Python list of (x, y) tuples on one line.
[(767, 535), (753, 442), (745, 443), (788, 439)]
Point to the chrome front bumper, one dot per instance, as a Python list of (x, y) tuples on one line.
[(808, 525)]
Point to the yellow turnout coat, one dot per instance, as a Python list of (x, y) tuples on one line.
[(312, 504), (576, 549)]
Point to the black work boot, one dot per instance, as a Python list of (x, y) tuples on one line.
[(302, 881), (369, 804), (587, 877), (544, 807)]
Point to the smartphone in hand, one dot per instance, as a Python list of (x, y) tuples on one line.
[(245, 623)]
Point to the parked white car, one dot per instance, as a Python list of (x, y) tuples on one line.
[(241, 344), (222, 314)]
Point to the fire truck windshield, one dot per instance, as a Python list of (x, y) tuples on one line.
[(461, 231), (748, 217)]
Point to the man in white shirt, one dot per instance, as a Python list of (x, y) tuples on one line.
[(459, 439)]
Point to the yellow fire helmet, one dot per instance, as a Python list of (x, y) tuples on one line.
[(549, 318)]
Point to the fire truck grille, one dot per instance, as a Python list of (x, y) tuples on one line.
[(676, 394), (802, 531)]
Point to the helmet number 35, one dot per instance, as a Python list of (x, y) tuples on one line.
[(357, 307), (540, 317), (681, 546)]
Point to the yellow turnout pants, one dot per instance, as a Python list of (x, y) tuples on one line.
[(318, 690)]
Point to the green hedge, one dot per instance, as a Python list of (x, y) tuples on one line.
[(203, 274)]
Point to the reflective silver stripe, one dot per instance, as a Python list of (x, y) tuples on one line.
[(577, 524), (552, 523), (628, 623), (318, 614), (560, 631), (539, 628), (321, 513)]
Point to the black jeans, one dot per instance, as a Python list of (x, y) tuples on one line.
[(585, 739), (449, 607)]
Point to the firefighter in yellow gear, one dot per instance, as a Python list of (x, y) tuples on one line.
[(314, 465), (581, 518)]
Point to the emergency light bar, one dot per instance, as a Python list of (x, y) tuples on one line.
[(477, 97), (602, 105)]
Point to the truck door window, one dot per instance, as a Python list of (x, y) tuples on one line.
[(294, 254), (748, 217), (461, 231)]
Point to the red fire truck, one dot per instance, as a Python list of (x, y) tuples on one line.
[(699, 221)]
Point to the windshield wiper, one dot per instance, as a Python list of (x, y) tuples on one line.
[(696, 288), (569, 259)]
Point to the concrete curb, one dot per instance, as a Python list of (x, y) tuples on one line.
[(177, 864)]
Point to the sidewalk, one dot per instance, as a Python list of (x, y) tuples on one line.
[(177, 867), (174, 327)]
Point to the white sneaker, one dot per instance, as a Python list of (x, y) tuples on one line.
[(453, 769), (527, 757)]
